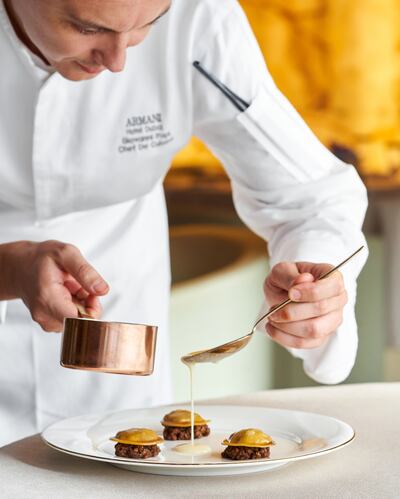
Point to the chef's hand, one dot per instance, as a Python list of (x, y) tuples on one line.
[(318, 310), (49, 275)]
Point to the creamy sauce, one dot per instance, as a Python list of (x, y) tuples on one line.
[(313, 443), (193, 449), (191, 366)]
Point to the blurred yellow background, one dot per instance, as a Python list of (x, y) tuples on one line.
[(338, 63)]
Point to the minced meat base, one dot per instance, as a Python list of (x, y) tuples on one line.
[(175, 433), (241, 453), (136, 451)]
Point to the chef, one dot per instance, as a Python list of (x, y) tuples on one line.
[(96, 97)]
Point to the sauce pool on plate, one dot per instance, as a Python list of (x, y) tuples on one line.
[(193, 449)]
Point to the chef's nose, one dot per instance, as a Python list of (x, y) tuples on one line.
[(114, 55)]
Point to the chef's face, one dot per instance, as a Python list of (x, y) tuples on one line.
[(82, 38)]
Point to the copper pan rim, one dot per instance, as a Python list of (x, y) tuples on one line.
[(107, 322)]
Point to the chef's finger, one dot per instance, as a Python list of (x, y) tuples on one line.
[(93, 307), (306, 277), (284, 274), (315, 269), (76, 289), (71, 259), (300, 311), (291, 341), (318, 290), (318, 327)]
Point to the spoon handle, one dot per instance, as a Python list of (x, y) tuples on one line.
[(279, 306), (82, 312)]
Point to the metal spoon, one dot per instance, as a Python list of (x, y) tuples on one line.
[(226, 349)]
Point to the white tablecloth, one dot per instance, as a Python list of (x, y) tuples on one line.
[(369, 467)]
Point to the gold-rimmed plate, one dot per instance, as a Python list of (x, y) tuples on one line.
[(298, 435)]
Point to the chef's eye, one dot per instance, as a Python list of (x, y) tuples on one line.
[(86, 31)]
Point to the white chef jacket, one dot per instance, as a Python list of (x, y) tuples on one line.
[(84, 163)]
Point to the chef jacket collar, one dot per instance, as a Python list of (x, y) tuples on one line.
[(34, 63)]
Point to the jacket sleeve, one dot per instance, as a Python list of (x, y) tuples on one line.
[(287, 187)]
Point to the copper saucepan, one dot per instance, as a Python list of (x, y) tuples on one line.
[(110, 347)]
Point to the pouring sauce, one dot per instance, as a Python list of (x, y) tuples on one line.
[(192, 449)]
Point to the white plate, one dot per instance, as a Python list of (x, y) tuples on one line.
[(298, 435)]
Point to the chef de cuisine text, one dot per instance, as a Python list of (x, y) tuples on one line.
[(143, 133)]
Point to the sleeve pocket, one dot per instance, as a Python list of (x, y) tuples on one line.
[(276, 126)]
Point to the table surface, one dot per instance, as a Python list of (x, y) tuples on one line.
[(369, 467)]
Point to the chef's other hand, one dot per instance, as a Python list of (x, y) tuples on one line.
[(318, 310), (50, 276)]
